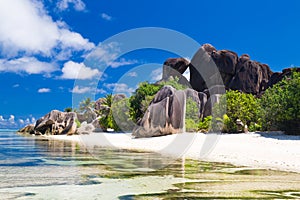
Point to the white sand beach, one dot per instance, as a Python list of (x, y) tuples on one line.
[(257, 150)]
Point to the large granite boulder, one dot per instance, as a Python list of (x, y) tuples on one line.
[(88, 116), (166, 113), (250, 76), (278, 76), (57, 123), (85, 128), (27, 129), (175, 67), (237, 73)]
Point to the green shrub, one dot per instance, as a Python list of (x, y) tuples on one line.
[(78, 124), (192, 110), (144, 91), (68, 109), (190, 125), (229, 126), (120, 111), (107, 119), (237, 105), (281, 107), (174, 82), (205, 124)]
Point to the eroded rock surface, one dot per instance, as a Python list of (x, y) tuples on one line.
[(166, 113), (238, 73), (57, 123)]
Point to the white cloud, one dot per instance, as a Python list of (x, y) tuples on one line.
[(26, 27), (119, 87), (44, 90), (15, 85), (122, 62), (156, 74), (27, 121), (132, 74), (11, 119), (106, 17), (1, 118), (85, 89), (77, 5), (33, 120), (73, 70), (81, 90), (28, 65), (21, 121), (107, 55), (101, 91)]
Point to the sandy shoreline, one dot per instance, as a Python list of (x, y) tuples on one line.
[(258, 150)]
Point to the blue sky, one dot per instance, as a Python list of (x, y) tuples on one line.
[(44, 45)]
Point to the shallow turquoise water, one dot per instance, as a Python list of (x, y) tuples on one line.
[(37, 168)]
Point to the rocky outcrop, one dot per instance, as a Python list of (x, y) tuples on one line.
[(88, 116), (237, 73), (85, 128), (175, 67), (278, 76), (27, 129), (56, 123), (166, 113)]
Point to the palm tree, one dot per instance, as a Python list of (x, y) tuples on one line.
[(86, 105)]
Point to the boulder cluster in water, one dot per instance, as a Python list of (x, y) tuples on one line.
[(165, 114)]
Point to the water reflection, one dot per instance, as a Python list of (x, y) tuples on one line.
[(50, 169)]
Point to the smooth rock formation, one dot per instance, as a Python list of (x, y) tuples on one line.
[(27, 129), (57, 123), (278, 76), (88, 116), (85, 128), (175, 67), (166, 113), (237, 73)]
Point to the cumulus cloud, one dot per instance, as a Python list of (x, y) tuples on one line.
[(27, 121), (14, 122), (132, 74), (107, 55), (44, 90), (156, 74), (28, 65), (81, 90), (11, 119), (73, 70), (33, 120), (122, 62), (106, 16), (65, 4), (15, 85), (119, 87), (26, 28)]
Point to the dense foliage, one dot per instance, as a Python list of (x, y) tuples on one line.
[(144, 93), (85, 105), (237, 106), (277, 109), (107, 119), (120, 112), (191, 116), (281, 107)]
